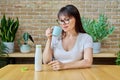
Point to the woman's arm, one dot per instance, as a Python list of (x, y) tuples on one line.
[(86, 62), (48, 52)]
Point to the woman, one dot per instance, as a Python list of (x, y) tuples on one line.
[(74, 48)]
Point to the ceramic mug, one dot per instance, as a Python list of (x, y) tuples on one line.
[(56, 31)]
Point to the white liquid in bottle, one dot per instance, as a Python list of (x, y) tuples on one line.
[(38, 58)]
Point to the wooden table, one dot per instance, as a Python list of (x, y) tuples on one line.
[(96, 72)]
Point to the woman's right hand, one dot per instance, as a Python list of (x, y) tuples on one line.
[(48, 33)]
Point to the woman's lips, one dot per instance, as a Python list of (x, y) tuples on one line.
[(65, 27)]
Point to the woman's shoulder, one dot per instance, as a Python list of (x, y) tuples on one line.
[(85, 39)]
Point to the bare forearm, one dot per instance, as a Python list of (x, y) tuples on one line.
[(47, 54), (78, 64), (86, 62)]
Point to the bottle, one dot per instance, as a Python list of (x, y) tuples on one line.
[(38, 58)]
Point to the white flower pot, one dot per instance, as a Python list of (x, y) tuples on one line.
[(25, 48), (10, 47), (96, 47)]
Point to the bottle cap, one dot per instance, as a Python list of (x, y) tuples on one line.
[(38, 46)]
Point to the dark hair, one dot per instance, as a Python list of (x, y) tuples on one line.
[(72, 11)]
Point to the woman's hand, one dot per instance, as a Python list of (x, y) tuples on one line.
[(56, 65), (48, 33)]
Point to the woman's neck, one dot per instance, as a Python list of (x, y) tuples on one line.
[(71, 34)]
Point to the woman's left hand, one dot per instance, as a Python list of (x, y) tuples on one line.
[(56, 65)]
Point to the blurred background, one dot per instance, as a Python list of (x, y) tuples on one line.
[(36, 16)]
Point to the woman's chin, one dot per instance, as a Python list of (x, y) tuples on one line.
[(65, 30)]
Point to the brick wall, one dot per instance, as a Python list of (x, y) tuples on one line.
[(37, 15)]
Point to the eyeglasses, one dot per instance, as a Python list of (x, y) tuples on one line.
[(65, 21)]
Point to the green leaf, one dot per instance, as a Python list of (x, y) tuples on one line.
[(26, 37), (3, 48), (3, 21)]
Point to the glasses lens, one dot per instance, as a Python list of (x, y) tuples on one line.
[(60, 22), (66, 21)]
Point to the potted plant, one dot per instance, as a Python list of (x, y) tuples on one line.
[(8, 29), (118, 57), (98, 29), (3, 55), (25, 47)]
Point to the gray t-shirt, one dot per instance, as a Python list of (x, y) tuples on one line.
[(83, 41)]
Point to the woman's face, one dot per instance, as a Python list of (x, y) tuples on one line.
[(67, 23)]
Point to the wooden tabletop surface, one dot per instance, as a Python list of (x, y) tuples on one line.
[(96, 72), (32, 54)]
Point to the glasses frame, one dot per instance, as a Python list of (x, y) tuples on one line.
[(65, 21)]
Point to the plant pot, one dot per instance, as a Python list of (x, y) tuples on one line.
[(10, 47), (96, 47), (25, 48)]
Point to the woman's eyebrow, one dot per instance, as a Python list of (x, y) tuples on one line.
[(64, 18)]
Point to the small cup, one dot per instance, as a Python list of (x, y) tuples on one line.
[(56, 31)]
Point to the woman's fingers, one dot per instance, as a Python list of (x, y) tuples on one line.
[(49, 32), (52, 62), (55, 65)]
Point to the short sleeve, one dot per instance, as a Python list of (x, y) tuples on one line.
[(88, 42)]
